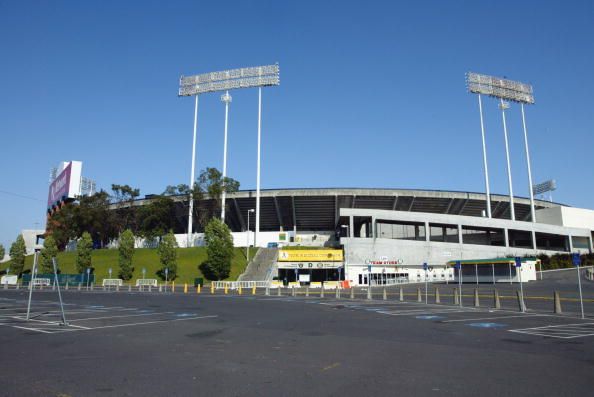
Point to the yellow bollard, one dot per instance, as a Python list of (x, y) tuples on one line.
[(173, 286), (185, 288), (239, 290), (212, 289), (254, 290), (198, 289), (226, 289)]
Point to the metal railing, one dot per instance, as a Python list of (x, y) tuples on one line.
[(243, 284)]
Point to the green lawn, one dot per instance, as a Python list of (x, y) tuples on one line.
[(188, 260)]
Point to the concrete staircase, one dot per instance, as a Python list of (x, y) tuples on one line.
[(262, 267)]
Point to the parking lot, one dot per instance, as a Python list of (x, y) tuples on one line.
[(162, 343)]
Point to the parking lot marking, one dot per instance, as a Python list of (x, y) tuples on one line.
[(124, 316), (496, 318), (150, 322), (563, 331)]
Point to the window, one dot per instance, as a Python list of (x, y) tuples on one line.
[(401, 230), (483, 236), (552, 242), (580, 242), (520, 238), (443, 232)]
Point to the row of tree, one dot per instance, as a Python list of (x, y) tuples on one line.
[(105, 216)]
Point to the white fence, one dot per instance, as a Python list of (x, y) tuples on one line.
[(243, 284), (113, 282), (141, 282)]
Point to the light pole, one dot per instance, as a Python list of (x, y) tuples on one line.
[(485, 166), (247, 248), (225, 98), (532, 211), (191, 198), (507, 90), (258, 76), (503, 106)]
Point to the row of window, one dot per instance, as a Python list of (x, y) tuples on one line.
[(402, 230)]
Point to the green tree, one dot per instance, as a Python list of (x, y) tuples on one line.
[(157, 217), (126, 252), (219, 248), (212, 183), (49, 251), (168, 255), (18, 251), (124, 196), (2, 252), (83, 252)]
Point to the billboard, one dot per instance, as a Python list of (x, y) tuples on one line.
[(66, 184), (304, 255)]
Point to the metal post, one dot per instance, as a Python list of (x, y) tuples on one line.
[(485, 167), (532, 211), (504, 106), (248, 231), (426, 301), (460, 283), (257, 230), (476, 273), (580, 288), (59, 293), (510, 276), (227, 99), (493, 268), (33, 270), (521, 290), (191, 198)]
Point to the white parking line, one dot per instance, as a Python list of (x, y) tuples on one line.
[(147, 322), (562, 331), (125, 316), (496, 318)]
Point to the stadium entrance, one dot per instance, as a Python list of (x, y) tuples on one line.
[(307, 266)]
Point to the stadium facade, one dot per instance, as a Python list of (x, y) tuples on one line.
[(389, 233)]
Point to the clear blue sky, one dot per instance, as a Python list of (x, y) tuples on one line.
[(372, 94)]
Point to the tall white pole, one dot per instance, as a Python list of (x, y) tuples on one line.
[(257, 229), (227, 99), (532, 211), (503, 106), (485, 167), (191, 210)]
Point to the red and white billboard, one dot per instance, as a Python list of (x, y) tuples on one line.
[(66, 185)]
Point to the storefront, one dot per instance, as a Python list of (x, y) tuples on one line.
[(310, 265)]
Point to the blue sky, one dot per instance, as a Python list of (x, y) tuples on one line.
[(372, 94)]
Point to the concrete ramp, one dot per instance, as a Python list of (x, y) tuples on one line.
[(262, 267)]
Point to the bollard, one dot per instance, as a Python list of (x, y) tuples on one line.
[(401, 295), (307, 290), (437, 297), (129, 287), (267, 292), (385, 295), (322, 291), (239, 290), (337, 293), (419, 298), (185, 288), (150, 288), (79, 285), (212, 289), (54, 286), (293, 290), (278, 291), (476, 298), (117, 288), (160, 288), (92, 285), (557, 299), (254, 290), (173, 286), (496, 299), (226, 289), (456, 298), (104, 288), (17, 286), (66, 287), (352, 292), (521, 304), (198, 288), (369, 293)]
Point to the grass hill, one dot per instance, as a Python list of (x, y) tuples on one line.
[(188, 260)]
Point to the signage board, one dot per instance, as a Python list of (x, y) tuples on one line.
[(575, 259), (518, 261), (66, 185), (300, 255), (309, 265), (304, 278)]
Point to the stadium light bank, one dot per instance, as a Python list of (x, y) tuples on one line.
[(258, 76), (504, 90)]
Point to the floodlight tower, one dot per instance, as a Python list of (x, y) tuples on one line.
[(503, 106), (225, 98), (259, 76), (505, 90)]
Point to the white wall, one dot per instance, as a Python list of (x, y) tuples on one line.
[(567, 216)]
